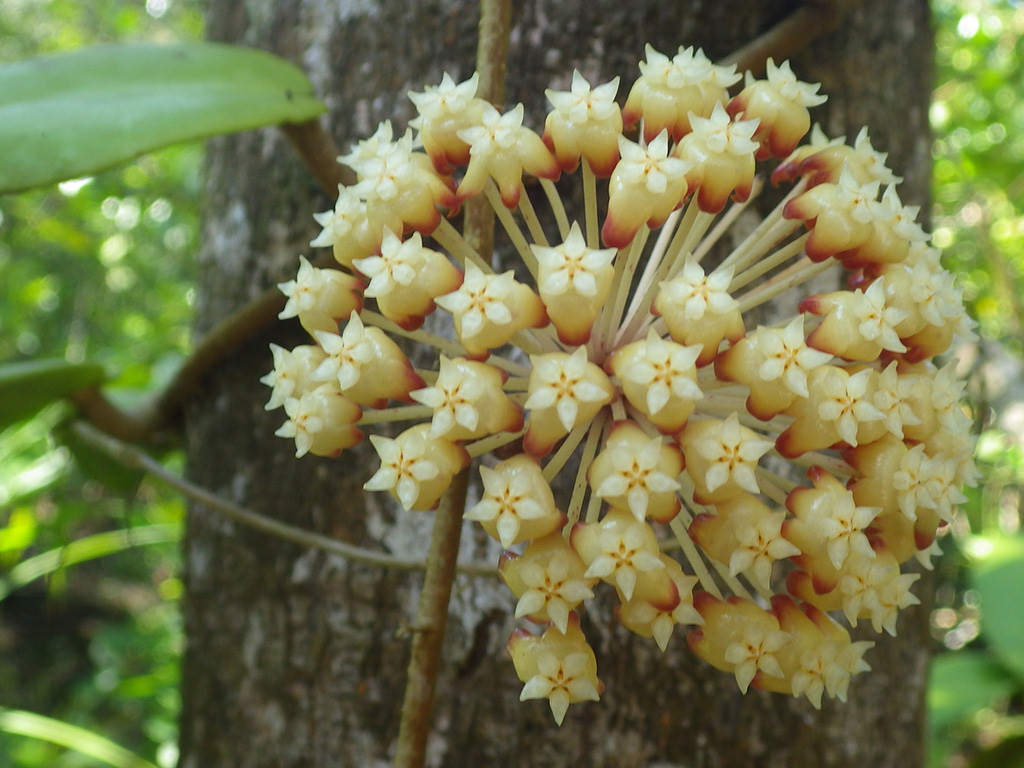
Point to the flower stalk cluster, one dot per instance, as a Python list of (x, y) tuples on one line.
[(628, 356)]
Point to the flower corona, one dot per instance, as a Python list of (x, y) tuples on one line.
[(752, 467)]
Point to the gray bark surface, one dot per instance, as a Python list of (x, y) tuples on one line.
[(295, 658)]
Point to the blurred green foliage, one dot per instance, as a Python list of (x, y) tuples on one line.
[(100, 269), (978, 115), (976, 692)]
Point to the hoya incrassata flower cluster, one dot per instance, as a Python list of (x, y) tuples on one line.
[(629, 353)]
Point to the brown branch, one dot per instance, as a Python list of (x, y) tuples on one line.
[(319, 154), (220, 341), (431, 618), (815, 18), (432, 613), (163, 412), (491, 63), (135, 458)]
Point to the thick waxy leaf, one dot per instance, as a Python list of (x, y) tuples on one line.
[(73, 114), (28, 386)]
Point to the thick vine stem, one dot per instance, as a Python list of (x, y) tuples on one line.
[(133, 457), (318, 152), (428, 629), (790, 35)]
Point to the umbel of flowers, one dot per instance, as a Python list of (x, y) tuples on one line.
[(626, 354)]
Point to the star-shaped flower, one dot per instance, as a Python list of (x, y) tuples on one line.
[(731, 453), (581, 103), (572, 267), (699, 294), (719, 134), (347, 354), (649, 167), (787, 356), (663, 369), (482, 302), (516, 502), (560, 681), (566, 383), (754, 651), (634, 474), (553, 587), (292, 374), (843, 401)]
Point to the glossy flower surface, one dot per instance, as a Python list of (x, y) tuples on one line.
[(742, 457)]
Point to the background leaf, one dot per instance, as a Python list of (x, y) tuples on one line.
[(76, 113), (25, 387), (1002, 617), (962, 682), (71, 736)]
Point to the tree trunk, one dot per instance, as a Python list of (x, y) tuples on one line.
[(297, 658)]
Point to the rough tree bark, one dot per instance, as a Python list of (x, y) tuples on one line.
[(296, 658)]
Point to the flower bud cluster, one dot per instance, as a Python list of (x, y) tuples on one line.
[(640, 368)]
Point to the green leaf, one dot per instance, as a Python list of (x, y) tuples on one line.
[(998, 580), (26, 387), (98, 465), (70, 736), (86, 548), (963, 682), (76, 113)]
